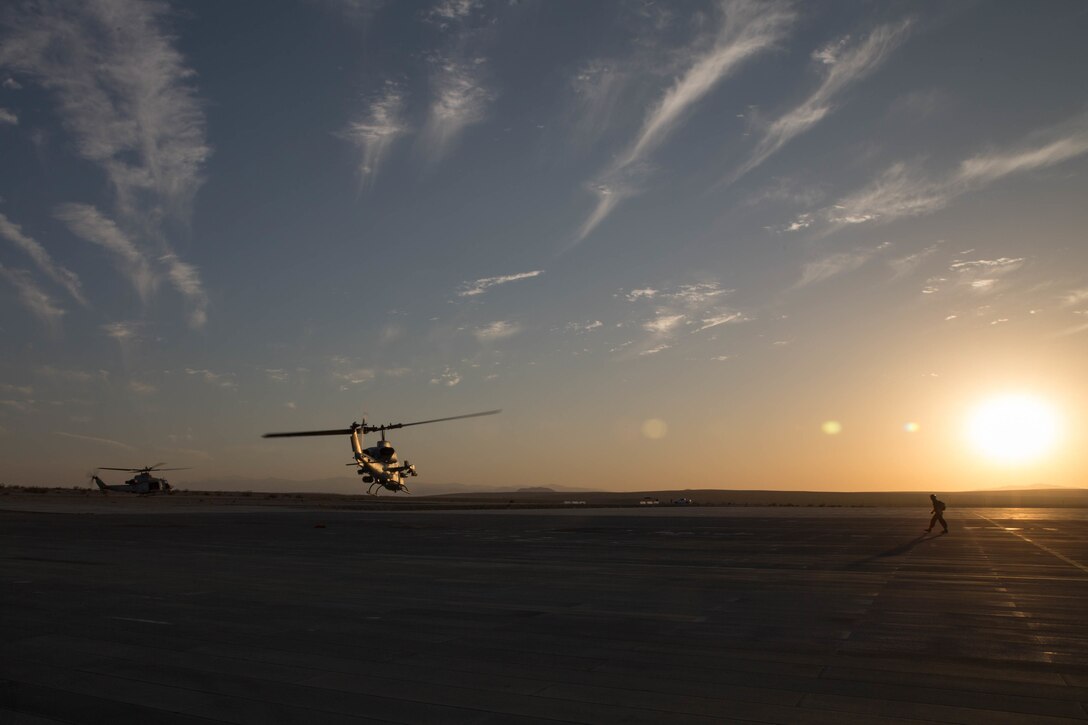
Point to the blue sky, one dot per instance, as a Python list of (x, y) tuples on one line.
[(670, 240)]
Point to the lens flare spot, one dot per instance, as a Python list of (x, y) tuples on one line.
[(831, 427), (911, 427), (654, 428)]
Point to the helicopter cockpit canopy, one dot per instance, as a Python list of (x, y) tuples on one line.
[(384, 452)]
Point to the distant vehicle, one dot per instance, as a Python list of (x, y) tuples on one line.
[(648, 501), (378, 465), (142, 482), (682, 502)]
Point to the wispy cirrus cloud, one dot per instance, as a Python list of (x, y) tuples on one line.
[(846, 63), (447, 377), (1075, 297), (62, 276), (460, 90), (123, 90), (460, 98), (479, 286), (374, 132), (833, 265), (451, 10), (607, 89), (611, 189), (89, 224), (142, 388), (975, 275), (1002, 265), (645, 292), (23, 406), (746, 29), (93, 439), (354, 375), (803, 221), (717, 319), (687, 308), (460, 93), (349, 372), (598, 87), (1072, 330), (185, 278), (662, 347), (664, 323), (219, 380), (987, 168), (899, 192), (121, 331), (496, 330), (26, 390), (70, 376), (8, 118), (904, 192), (33, 297), (584, 327), (126, 96), (903, 266)]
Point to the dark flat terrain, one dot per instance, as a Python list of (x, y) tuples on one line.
[(622, 615)]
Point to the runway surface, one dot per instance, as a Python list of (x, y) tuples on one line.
[(626, 615)]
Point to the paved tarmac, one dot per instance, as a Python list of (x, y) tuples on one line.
[(625, 615)]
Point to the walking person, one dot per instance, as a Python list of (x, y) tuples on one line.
[(938, 514)]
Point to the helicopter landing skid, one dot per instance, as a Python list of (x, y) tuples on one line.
[(380, 486)]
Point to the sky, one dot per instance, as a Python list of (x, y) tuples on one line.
[(728, 244)]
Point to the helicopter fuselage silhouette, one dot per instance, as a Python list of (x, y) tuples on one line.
[(142, 482), (377, 465)]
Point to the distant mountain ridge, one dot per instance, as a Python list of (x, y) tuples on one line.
[(346, 485), (555, 494)]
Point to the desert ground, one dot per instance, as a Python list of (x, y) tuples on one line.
[(202, 608), (91, 500)]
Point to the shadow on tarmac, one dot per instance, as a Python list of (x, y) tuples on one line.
[(895, 550)]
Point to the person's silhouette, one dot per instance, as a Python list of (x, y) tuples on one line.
[(938, 514)]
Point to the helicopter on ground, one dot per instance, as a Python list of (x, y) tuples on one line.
[(142, 482), (378, 465)]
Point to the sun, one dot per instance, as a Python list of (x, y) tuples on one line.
[(1013, 428)]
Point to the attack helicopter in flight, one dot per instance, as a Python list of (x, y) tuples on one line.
[(142, 482), (378, 465)]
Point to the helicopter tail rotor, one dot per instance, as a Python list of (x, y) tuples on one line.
[(97, 481)]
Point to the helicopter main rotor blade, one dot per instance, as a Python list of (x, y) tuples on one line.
[(373, 428), (140, 470), (298, 434), (153, 467)]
